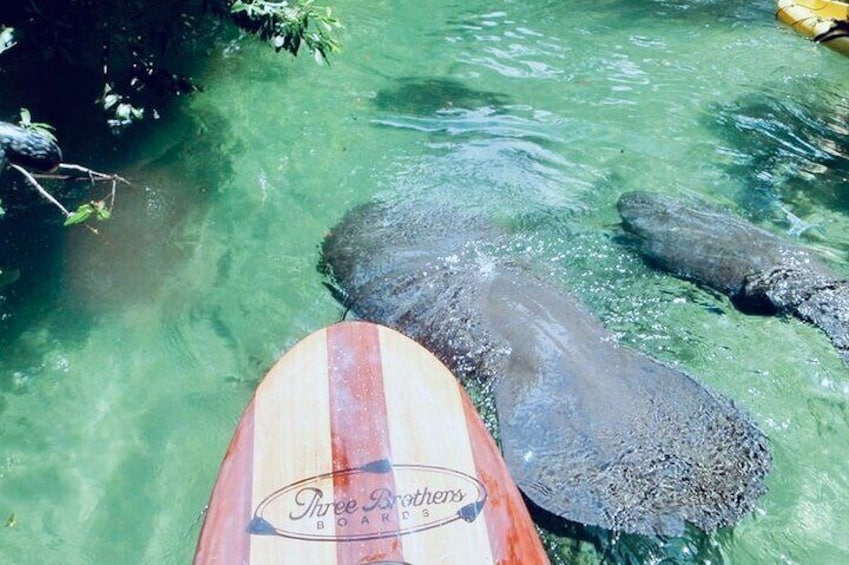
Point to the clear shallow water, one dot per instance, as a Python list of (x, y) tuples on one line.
[(125, 366)]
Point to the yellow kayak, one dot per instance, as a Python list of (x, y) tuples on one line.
[(823, 21)]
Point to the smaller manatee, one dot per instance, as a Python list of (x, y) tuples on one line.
[(759, 271)]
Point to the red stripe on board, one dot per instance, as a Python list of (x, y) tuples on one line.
[(360, 435), (512, 536), (224, 537)]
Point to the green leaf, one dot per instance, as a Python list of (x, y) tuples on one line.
[(287, 25), (102, 212), (82, 214), (42, 129), (7, 38), (124, 111), (110, 100)]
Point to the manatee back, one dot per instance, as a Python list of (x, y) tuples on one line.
[(419, 271), (703, 244), (606, 436)]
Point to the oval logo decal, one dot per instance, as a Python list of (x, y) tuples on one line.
[(380, 500)]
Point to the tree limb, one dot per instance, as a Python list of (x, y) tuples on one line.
[(35, 184)]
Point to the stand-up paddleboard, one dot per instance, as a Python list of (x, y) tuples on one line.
[(360, 447)]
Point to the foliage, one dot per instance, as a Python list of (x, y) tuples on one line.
[(134, 55), (287, 26), (7, 38), (42, 129), (123, 113), (130, 57), (82, 214)]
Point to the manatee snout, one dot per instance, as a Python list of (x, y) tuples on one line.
[(633, 205), (644, 213)]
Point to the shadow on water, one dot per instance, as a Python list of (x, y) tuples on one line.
[(427, 96), (792, 150), (58, 279), (479, 143), (135, 253), (30, 235)]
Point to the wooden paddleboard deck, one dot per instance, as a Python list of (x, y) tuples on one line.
[(360, 447)]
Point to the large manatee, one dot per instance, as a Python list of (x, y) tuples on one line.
[(759, 271), (591, 431)]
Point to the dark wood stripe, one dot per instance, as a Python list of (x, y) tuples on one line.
[(224, 537), (512, 536), (360, 436)]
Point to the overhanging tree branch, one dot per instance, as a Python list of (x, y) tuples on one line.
[(41, 190), (100, 209)]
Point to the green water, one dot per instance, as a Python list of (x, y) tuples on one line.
[(128, 357)]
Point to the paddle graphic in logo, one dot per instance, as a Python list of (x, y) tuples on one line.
[(373, 501)]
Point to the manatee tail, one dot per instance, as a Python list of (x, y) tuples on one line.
[(811, 296), (603, 435)]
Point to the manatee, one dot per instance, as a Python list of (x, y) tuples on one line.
[(760, 272), (427, 96), (591, 431)]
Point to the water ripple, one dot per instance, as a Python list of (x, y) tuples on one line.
[(488, 120)]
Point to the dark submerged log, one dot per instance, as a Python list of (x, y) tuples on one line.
[(28, 148)]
